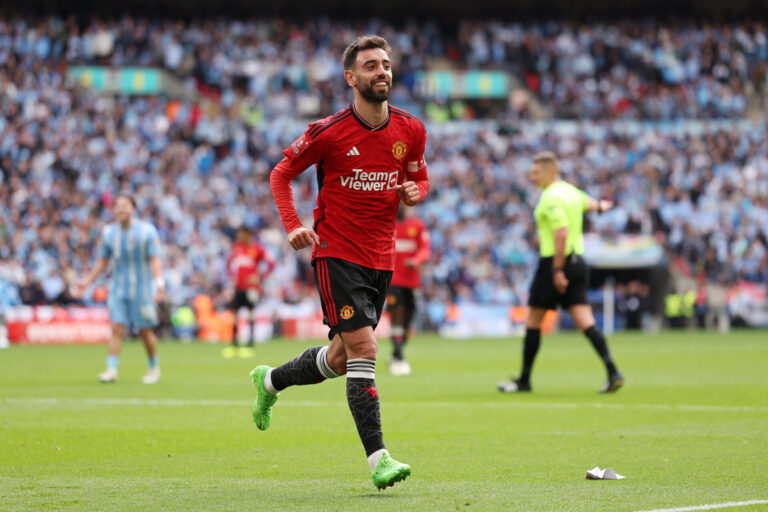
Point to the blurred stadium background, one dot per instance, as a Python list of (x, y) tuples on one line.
[(656, 105)]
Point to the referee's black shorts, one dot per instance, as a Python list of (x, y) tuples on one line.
[(543, 293), (352, 296)]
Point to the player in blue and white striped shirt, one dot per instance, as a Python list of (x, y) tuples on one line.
[(133, 246)]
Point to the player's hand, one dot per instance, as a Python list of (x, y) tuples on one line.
[(604, 205), (159, 294), (302, 237), (561, 282), (409, 193), (80, 288)]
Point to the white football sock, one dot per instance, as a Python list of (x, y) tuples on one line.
[(375, 457), (268, 382)]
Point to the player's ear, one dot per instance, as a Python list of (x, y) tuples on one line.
[(349, 76)]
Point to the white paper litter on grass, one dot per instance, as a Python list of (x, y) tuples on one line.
[(603, 474)]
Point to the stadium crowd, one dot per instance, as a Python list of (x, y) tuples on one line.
[(640, 69), (199, 169)]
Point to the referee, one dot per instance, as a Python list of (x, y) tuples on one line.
[(562, 276)]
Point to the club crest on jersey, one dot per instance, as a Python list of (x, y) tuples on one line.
[(347, 312), (399, 149), (299, 145)]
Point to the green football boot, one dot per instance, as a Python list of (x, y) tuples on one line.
[(262, 406), (388, 471)]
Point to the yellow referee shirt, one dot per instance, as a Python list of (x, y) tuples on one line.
[(561, 205)]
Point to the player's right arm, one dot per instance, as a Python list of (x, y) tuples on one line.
[(553, 213), (424, 247), (298, 157), (105, 253), (298, 236), (85, 282)]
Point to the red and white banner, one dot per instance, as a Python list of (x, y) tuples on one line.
[(39, 325)]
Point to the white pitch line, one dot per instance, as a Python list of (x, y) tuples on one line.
[(715, 506), (180, 402)]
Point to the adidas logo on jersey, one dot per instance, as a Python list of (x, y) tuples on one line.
[(353, 151)]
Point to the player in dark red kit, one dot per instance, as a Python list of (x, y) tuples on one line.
[(369, 158), (248, 264), (412, 249)]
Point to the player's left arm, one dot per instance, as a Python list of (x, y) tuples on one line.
[(156, 267), (155, 263), (416, 185), (596, 205)]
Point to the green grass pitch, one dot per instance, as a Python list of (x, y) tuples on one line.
[(689, 428)]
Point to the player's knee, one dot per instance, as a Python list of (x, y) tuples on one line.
[(533, 323), (582, 317), (337, 362), (361, 345), (535, 318), (366, 351)]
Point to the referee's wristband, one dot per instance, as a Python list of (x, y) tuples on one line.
[(160, 282), (557, 269)]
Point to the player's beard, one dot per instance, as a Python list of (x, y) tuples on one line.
[(371, 95)]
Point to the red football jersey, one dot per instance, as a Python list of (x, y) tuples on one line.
[(243, 265), (357, 167), (412, 248)]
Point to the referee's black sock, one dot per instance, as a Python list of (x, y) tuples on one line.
[(311, 367), (601, 347), (530, 349)]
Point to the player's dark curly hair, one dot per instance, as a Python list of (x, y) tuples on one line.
[(365, 42)]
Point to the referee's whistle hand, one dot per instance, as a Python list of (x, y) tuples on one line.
[(560, 281), (302, 237), (409, 193)]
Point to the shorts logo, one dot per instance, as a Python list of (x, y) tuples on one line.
[(347, 312), (399, 149)]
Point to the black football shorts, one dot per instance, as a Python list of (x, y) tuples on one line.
[(352, 296), (543, 293), (400, 296)]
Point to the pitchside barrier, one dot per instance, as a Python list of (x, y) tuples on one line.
[(38, 325)]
